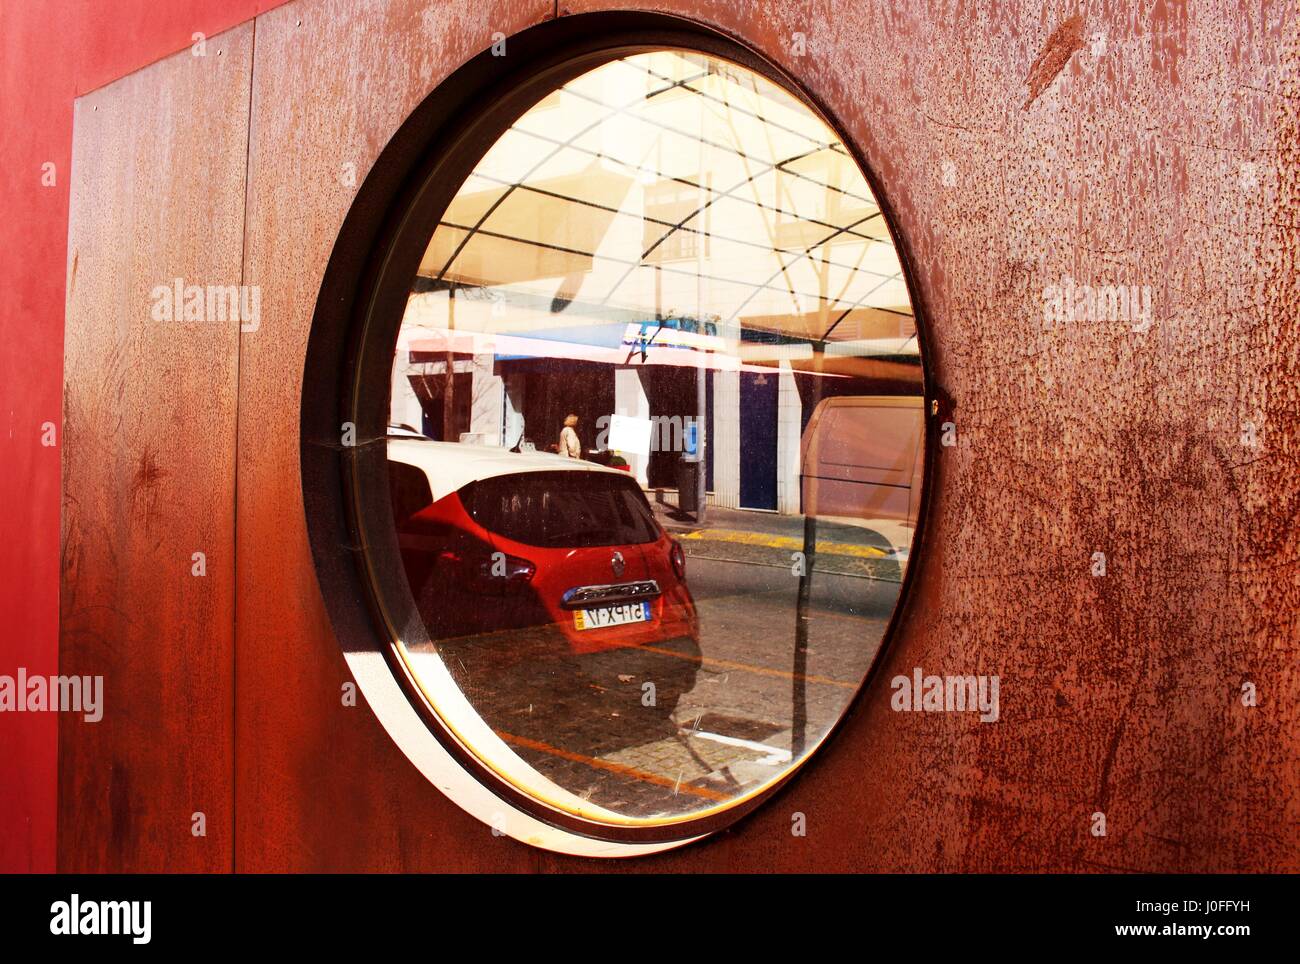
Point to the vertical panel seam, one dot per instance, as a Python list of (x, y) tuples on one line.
[(239, 371)]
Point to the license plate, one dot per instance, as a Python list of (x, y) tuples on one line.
[(612, 616)]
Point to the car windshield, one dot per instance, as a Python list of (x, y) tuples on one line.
[(553, 510)]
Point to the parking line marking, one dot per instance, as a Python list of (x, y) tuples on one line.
[(609, 765), (760, 670), (772, 755)]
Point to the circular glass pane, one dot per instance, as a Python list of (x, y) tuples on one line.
[(655, 452)]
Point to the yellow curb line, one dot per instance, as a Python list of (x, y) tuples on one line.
[(783, 542)]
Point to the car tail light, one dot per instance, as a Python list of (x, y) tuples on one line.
[(501, 572), (678, 558)]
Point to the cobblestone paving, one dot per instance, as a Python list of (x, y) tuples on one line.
[(579, 720)]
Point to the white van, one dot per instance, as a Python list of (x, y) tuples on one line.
[(862, 460)]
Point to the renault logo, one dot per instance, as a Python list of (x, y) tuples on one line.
[(617, 564)]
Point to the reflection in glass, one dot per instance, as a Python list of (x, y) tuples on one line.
[(656, 445)]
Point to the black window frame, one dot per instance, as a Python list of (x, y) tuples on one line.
[(354, 333)]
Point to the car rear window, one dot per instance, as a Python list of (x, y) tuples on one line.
[(409, 489), (562, 509)]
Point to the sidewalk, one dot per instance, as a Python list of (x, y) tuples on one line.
[(757, 527), (768, 538)]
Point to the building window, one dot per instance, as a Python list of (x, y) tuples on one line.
[(655, 445)]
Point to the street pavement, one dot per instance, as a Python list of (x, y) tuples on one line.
[(582, 723)]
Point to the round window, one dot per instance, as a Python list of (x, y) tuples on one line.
[(643, 506)]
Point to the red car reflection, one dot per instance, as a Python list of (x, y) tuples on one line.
[(497, 542)]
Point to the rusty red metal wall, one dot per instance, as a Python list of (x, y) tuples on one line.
[(317, 129), (50, 52), (1019, 147), (148, 597)]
